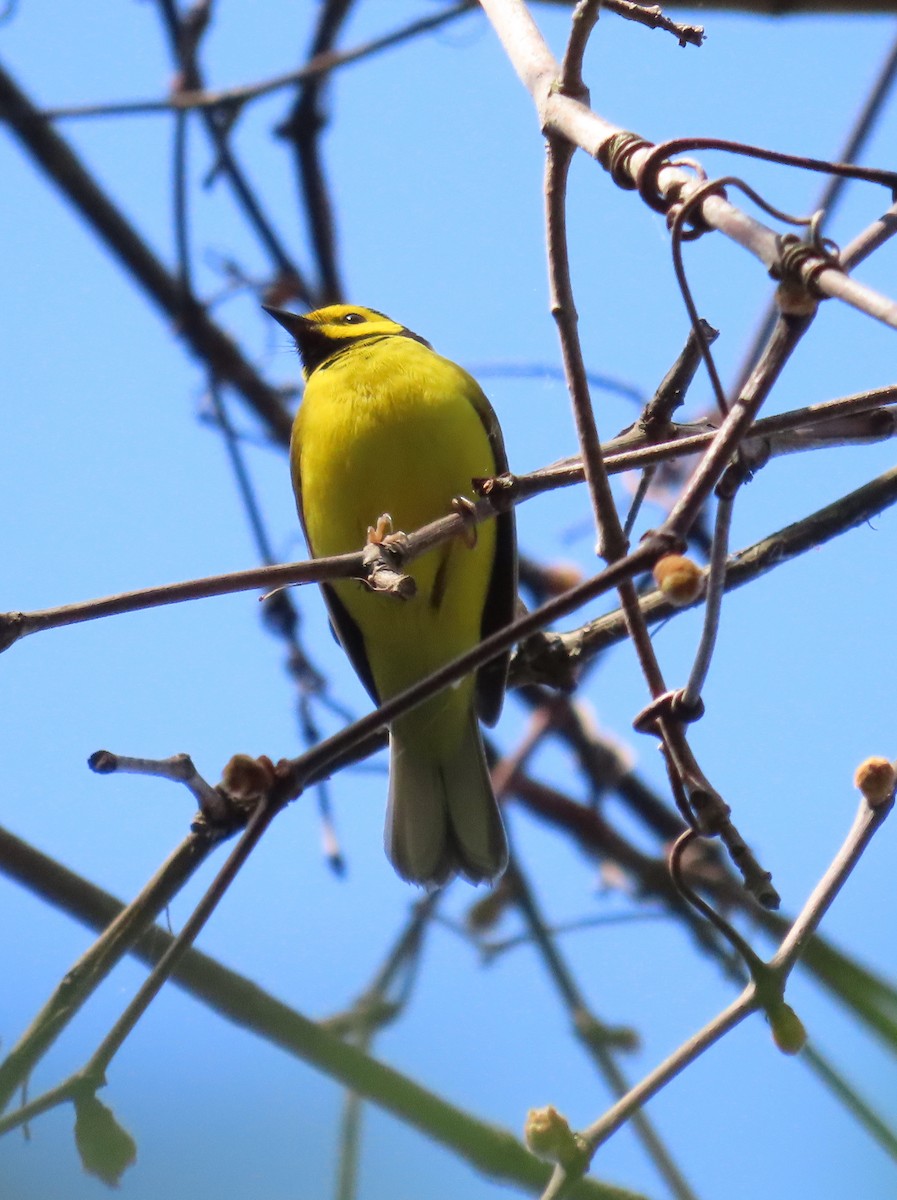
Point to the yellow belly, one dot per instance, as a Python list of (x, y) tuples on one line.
[(392, 428)]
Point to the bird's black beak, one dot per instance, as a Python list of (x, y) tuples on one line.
[(297, 327), (313, 346)]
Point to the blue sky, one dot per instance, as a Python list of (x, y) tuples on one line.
[(110, 480)]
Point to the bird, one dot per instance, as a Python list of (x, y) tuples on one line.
[(388, 428)]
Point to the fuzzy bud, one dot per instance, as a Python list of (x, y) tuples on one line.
[(679, 578), (246, 779), (548, 1134), (875, 778)]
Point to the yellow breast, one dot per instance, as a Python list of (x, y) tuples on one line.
[(392, 427)]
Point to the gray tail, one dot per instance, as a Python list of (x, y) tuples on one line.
[(442, 818)]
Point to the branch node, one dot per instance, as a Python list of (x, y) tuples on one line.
[(549, 658), (12, 626), (501, 490), (615, 155), (383, 558), (596, 1034), (800, 262)]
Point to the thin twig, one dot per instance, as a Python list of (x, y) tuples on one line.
[(117, 940), (652, 17), (716, 587), (830, 194), (303, 127), (180, 205), (206, 340), (868, 240), (868, 821), (597, 1039), (785, 336), (282, 617), (15, 625), (490, 1149), (866, 824), (611, 544), (236, 97), (373, 1009), (771, 552), (184, 48), (95, 1068)]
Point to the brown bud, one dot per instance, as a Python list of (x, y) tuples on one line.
[(245, 778), (876, 779), (679, 578)]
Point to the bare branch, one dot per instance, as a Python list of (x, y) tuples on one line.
[(566, 117)]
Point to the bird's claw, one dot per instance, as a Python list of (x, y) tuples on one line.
[(381, 532), (466, 510)]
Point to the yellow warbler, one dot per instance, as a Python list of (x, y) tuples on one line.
[(388, 426)]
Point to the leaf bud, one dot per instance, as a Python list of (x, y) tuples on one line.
[(680, 579), (788, 1030), (548, 1134), (875, 778)]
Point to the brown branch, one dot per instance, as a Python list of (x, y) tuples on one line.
[(826, 419), (297, 773), (700, 804), (831, 192), (303, 128), (237, 97), (765, 991), (17, 625), (601, 1043), (565, 117), (184, 35), (785, 336), (652, 17), (205, 339), (845, 513)]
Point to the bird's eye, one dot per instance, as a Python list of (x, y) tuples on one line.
[(353, 318)]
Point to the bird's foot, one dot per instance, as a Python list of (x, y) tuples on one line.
[(379, 533), (382, 535), (466, 510)]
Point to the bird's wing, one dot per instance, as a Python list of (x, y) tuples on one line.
[(349, 637), (344, 628), (501, 598)]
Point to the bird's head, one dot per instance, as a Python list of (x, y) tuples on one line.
[(326, 332)]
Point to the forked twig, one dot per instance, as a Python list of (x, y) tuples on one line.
[(765, 990)]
